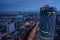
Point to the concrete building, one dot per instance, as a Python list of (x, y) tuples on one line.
[(47, 22)]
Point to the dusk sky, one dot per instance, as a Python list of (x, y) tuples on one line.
[(26, 5)]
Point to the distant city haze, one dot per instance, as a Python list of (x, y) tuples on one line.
[(26, 5)]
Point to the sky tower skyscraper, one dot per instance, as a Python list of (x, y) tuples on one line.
[(47, 22)]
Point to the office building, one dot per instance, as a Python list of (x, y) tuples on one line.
[(47, 22)]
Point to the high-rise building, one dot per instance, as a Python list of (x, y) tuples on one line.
[(47, 22), (10, 27)]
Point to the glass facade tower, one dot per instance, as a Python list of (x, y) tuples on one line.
[(47, 22)]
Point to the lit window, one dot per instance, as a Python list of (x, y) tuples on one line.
[(44, 32), (53, 12), (49, 13)]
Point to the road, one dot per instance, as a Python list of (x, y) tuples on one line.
[(33, 32)]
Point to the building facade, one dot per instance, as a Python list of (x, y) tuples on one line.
[(10, 27), (47, 22)]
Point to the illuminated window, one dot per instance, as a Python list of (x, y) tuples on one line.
[(49, 13), (53, 12), (45, 32)]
